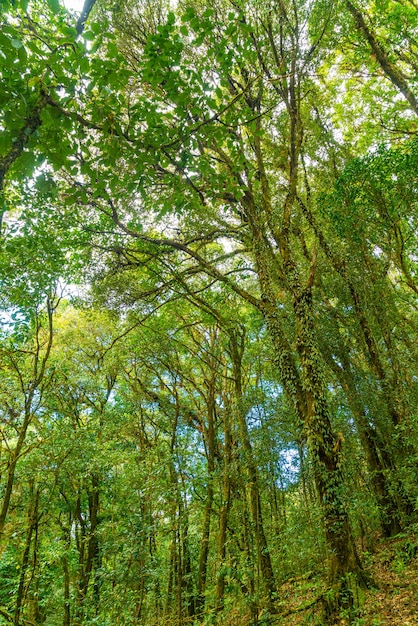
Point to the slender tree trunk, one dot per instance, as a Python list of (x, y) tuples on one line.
[(252, 565), (223, 514), (66, 540), (171, 578), (178, 572), (32, 522), (88, 545), (186, 570), (11, 469), (67, 602), (210, 451), (263, 554), (36, 614)]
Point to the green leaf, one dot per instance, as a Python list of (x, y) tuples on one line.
[(199, 40), (68, 31), (23, 57), (16, 43), (54, 5), (189, 15), (4, 42)]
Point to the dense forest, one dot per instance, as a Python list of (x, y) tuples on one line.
[(208, 308)]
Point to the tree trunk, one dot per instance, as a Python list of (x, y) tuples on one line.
[(223, 514), (32, 522), (11, 469), (263, 554), (325, 449), (210, 453), (67, 602)]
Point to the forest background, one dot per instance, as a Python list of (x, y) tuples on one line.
[(208, 217)]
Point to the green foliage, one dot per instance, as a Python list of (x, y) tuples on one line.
[(230, 401)]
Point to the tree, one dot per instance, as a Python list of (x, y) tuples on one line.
[(200, 158)]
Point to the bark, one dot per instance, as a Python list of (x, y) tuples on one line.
[(180, 584), (37, 614)]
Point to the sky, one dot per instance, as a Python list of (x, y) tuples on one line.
[(74, 5)]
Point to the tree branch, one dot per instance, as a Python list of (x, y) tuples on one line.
[(84, 15)]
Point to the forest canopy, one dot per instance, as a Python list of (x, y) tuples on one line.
[(208, 270)]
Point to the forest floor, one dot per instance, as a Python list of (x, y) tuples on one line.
[(392, 599)]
